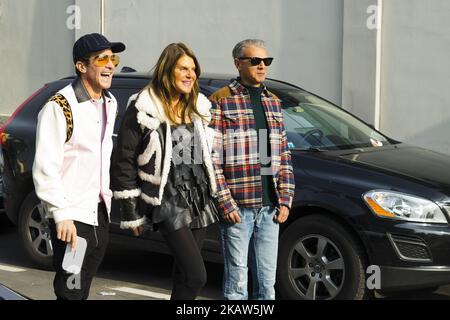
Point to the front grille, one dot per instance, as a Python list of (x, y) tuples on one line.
[(410, 248)]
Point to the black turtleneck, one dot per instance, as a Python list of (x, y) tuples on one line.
[(268, 191)]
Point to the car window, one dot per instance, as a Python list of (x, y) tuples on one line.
[(209, 86), (122, 96), (312, 122)]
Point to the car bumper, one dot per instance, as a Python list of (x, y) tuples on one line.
[(395, 278), (410, 255)]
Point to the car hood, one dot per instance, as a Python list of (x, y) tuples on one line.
[(410, 162)]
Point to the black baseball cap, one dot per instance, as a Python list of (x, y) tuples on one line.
[(94, 42)]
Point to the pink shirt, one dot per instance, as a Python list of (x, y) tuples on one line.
[(100, 105)]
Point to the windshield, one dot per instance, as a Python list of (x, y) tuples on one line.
[(313, 123)]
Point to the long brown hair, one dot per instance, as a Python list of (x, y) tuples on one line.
[(163, 82)]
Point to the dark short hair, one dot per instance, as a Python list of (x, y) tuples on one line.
[(85, 61)]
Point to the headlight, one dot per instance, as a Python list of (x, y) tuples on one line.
[(396, 205)]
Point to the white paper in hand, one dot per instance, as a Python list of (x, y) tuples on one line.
[(73, 260)]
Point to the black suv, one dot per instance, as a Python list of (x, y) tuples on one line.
[(366, 209)]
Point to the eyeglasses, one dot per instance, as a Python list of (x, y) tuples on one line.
[(102, 60), (255, 61)]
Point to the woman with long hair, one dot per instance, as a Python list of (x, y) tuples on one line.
[(162, 173)]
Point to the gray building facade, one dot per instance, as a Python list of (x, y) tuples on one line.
[(383, 60)]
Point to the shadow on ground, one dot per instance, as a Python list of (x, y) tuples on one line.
[(142, 268), (135, 267)]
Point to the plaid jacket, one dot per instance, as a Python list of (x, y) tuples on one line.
[(235, 151)]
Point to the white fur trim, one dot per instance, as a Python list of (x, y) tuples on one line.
[(210, 135), (149, 122), (151, 200), (154, 145), (132, 98), (126, 194), (149, 177), (203, 107), (133, 224), (150, 104), (206, 155)]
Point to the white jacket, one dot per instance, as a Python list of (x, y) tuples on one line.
[(67, 175)]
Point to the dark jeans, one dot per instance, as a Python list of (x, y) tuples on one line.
[(189, 273), (76, 287)]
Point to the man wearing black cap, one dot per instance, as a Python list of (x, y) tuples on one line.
[(71, 166)]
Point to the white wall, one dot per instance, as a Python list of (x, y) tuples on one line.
[(305, 36), (35, 48), (359, 61), (416, 72), (324, 46), (415, 66)]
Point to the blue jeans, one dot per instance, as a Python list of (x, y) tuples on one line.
[(254, 240)]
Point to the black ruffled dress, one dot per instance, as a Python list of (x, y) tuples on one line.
[(187, 199)]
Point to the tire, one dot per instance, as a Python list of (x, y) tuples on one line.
[(320, 260), (35, 233)]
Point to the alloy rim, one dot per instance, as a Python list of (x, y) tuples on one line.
[(39, 232), (316, 268)]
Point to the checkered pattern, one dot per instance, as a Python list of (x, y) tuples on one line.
[(235, 152)]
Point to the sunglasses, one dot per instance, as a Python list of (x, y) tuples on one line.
[(254, 61), (102, 60)]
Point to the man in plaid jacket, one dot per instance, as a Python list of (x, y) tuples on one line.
[(254, 173)]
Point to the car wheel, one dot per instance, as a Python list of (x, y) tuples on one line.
[(35, 232), (320, 260)]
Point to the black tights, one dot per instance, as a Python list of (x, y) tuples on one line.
[(189, 273)]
